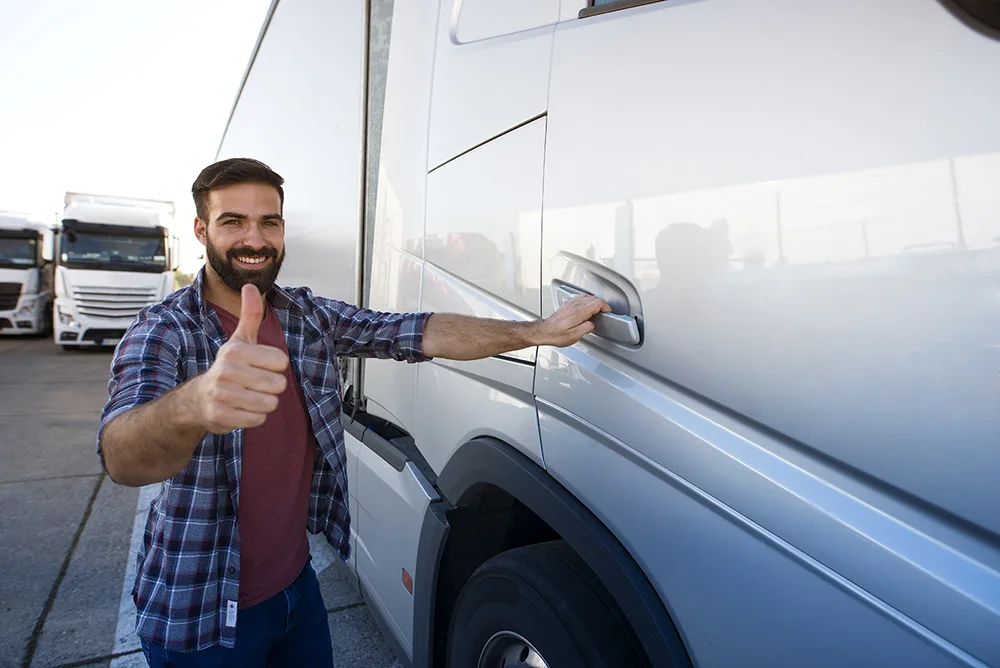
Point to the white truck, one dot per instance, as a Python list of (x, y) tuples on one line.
[(25, 275), (115, 256), (781, 448)]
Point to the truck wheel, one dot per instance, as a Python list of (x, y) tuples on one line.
[(537, 607)]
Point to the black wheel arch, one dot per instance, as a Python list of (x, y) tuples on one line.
[(488, 462), (983, 16)]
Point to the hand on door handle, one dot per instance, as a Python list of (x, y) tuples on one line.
[(572, 321), (608, 325)]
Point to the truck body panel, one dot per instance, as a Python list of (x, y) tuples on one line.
[(788, 423)]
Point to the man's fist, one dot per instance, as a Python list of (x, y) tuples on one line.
[(571, 322), (244, 382)]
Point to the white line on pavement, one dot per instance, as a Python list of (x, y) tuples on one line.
[(125, 638)]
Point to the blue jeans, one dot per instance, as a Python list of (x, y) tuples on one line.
[(289, 629)]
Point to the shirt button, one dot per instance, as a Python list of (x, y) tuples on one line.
[(232, 570)]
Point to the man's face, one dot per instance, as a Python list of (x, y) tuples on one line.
[(244, 237)]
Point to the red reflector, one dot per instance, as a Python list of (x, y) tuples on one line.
[(407, 582)]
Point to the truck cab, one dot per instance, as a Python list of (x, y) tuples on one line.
[(25, 275), (115, 256)]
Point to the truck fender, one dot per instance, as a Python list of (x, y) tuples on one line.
[(490, 462)]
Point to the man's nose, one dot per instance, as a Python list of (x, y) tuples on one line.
[(254, 238)]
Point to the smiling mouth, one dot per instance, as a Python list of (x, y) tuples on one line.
[(246, 259)]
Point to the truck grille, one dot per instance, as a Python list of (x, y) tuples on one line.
[(113, 302), (9, 293)]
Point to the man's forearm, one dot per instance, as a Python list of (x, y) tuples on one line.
[(460, 337), (155, 441)]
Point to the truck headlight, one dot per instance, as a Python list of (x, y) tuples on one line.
[(66, 318), (27, 308)]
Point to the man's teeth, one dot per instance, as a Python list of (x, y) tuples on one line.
[(251, 260)]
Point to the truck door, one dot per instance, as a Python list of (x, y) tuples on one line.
[(790, 419)]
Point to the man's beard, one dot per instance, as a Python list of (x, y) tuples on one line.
[(236, 277)]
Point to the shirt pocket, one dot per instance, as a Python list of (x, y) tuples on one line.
[(320, 372)]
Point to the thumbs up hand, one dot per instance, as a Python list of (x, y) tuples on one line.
[(243, 384), (251, 315)]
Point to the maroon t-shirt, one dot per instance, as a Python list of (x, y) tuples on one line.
[(274, 483)]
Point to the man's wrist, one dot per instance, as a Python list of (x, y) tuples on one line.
[(533, 333), (187, 409)]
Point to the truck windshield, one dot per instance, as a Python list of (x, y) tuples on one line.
[(18, 252), (114, 252)]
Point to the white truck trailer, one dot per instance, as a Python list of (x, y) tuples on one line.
[(25, 275), (115, 256), (781, 449)]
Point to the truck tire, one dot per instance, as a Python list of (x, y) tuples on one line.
[(537, 606)]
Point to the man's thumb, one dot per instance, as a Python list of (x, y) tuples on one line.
[(251, 313)]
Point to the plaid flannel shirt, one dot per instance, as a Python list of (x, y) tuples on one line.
[(189, 561)]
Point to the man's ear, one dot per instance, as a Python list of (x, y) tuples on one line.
[(201, 231)]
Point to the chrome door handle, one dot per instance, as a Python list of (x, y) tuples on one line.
[(612, 326)]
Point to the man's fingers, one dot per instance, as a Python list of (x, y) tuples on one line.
[(249, 401), (251, 313), (591, 305), (597, 305), (259, 380), (578, 332), (225, 419), (268, 358), (258, 356)]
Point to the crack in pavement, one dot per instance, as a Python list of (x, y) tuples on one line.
[(36, 633), (89, 414), (97, 659), (341, 608), (53, 477)]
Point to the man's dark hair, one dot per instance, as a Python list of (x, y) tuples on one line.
[(230, 173)]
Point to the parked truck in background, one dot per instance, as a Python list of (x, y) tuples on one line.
[(26, 271), (115, 255), (781, 448)]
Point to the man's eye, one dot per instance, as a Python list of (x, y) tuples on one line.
[(270, 223), (231, 222)]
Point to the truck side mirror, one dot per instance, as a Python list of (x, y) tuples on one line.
[(49, 247), (175, 254)]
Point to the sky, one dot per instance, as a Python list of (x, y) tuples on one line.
[(117, 97)]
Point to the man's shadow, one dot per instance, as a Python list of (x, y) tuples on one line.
[(682, 313)]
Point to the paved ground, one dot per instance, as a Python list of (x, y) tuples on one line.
[(66, 530)]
